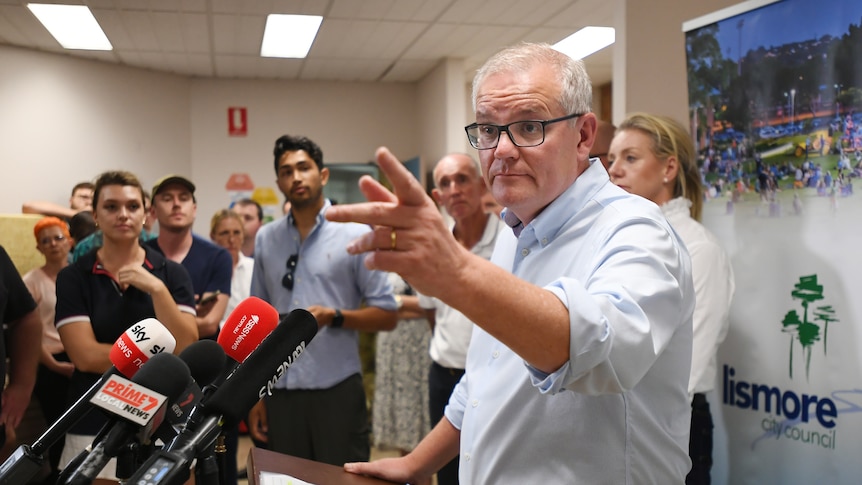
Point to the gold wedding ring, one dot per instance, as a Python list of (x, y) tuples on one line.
[(392, 238)]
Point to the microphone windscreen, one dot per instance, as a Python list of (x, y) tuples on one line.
[(256, 376), (166, 374), (246, 327), (205, 359), (139, 343)]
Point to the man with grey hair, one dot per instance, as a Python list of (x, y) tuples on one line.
[(577, 371), (458, 188)]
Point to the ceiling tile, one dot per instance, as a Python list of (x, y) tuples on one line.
[(393, 40), (409, 70), (343, 70), (238, 34)]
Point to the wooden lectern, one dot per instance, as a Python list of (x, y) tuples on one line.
[(260, 460)]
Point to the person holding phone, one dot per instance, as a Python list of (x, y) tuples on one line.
[(209, 265)]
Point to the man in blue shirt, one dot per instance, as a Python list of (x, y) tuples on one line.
[(578, 368), (317, 410)]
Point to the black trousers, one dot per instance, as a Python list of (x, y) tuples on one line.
[(51, 391), (700, 442), (325, 425), (441, 383)]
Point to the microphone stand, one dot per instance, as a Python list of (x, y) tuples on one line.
[(220, 451), (207, 469), (131, 457)]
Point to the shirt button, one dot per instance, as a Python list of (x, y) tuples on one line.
[(495, 354), (525, 252), (544, 241), (467, 456), (475, 403)]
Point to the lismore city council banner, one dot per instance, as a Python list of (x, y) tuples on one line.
[(775, 97)]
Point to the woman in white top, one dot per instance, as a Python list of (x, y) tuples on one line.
[(227, 230), (654, 157)]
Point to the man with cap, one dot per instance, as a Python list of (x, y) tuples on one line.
[(209, 265)]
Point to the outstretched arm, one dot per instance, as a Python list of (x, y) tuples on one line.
[(47, 209), (527, 318)]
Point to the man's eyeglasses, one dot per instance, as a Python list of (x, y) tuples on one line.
[(522, 133), (47, 240), (287, 281)]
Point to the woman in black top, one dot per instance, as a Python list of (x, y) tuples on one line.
[(106, 291)]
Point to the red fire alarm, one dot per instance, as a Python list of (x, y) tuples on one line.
[(237, 121)]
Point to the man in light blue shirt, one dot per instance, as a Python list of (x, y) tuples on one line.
[(318, 409), (577, 371)]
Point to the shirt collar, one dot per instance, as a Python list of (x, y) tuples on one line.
[(566, 206), (319, 219)]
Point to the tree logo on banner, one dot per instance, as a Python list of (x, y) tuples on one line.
[(805, 330)]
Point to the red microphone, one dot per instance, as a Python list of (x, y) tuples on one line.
[(139, 343), (246, 327)]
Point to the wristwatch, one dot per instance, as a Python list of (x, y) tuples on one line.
[(338, 319)]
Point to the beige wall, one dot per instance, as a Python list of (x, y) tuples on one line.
[(64, 120), (348, 120)]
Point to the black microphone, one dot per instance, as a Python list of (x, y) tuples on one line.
[(251, 380), (137, 407), (131, 350), (205, 359)]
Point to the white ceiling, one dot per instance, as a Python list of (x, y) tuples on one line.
[(359, 40)]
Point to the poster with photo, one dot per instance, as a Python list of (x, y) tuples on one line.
[(775, 107)]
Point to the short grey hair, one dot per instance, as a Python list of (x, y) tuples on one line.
[(576, 91)]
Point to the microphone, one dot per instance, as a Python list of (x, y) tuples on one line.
[(245, 328), (251, 380), (205, 360), (130, 352), (136, 403), (139, 343)]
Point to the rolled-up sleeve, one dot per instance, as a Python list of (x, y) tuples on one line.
[(625, 314)]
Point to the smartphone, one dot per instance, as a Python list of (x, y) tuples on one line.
[(209, 298)]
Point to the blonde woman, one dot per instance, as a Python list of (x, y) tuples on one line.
[(653, 156), (228, 231)]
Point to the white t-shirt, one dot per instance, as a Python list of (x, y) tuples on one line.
[(452, 330)]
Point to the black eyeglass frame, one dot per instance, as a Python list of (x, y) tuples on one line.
[(287, 279), (501, 128)]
